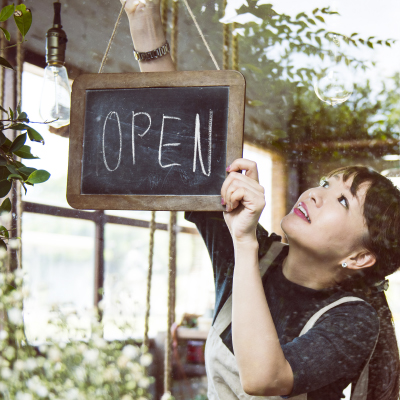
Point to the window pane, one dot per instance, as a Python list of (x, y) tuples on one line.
[(53, 155), (126, 258), (58, 256)]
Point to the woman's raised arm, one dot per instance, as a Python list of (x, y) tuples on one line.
[(147, 33)]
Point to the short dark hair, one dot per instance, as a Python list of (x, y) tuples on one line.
[(382, 217)]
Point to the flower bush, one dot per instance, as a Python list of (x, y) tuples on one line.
[(64, 370)]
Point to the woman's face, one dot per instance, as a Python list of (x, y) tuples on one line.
[(328, 220)]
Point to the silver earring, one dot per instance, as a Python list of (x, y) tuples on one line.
[(344, 264)]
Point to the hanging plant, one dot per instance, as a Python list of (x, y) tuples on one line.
[(16, 120)]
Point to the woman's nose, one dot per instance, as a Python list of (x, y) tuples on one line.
[(316, 197)]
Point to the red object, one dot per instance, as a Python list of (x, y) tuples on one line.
[(195, 352)]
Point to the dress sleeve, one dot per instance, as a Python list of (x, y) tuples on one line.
[(337, 347), (218, 240)]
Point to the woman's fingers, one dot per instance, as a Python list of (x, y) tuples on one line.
[(235, 180), (238, 190), (249, 166)]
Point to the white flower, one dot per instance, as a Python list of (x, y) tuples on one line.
[(3, 253), (167, 396), (30, 364), (72, 394), (23, 396), (54, 354), (6, 373), (41, 391), (126, 397), (9, 352), (100, 343), (146, 359), (130, 351), (15, 316), (19, 365), (80, 374), (144, 382), (122, 361), (3, 335), (91, 356)]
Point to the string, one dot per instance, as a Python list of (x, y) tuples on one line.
[(112, 38), (201, 34)]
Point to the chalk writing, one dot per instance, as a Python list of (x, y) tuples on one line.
[(197, 142), (120, 141)]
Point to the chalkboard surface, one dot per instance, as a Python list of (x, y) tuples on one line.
[(152, 140), (159, 140)]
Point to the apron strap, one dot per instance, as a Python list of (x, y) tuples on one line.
[(224, 317), (361, 387)]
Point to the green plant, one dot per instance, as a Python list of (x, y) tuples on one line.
[(11, 169), (86, 369)]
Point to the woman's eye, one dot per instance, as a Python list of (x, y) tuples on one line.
[(343, 201), (324, 184)]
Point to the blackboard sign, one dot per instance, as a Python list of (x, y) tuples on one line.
[(154, 141)]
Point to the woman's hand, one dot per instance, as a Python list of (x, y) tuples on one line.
[(148, 33), (138, 8), (244, 200)]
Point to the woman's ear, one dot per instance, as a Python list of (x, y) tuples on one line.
[(363, 259)]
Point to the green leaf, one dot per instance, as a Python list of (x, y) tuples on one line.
[(15, 176), (2, 109), (4, 63), (23, 18), (3, 138), (35, 135), (25, 152), (387, 43), (38, 176), (320, 18), (311, 21), (347, 61), (6, 33), (370, 45), (12, 169), (3, 161), (23, 117), (318, 39), (3, 245), (11, 113), (5, 205), (5, 187), (361, 41), (353, 34), (19, 108), (18, 127), (6, 13), (4, 230), (26, 171), (315, 11), (18, 143)]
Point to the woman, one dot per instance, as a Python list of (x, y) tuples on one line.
[(304, 328)]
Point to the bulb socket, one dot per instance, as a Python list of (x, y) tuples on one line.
[(56, 40)]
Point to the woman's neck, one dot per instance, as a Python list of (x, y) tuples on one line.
[(305, 270)]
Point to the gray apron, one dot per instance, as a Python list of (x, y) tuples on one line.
[(222, 370)]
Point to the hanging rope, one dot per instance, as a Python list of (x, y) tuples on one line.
[(174, 31), (226, 30), (164, 15), (3, 54), (235, 47), (111, 38), (149, 275), (170, 302), (201, 35)]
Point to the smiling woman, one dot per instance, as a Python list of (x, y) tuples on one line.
[(307, 319)]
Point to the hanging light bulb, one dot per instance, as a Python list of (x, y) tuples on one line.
[(336, 86), (55, 102)]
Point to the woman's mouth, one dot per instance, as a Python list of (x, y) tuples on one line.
[(302, 212)]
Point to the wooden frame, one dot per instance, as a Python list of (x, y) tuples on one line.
[(76, 199)]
